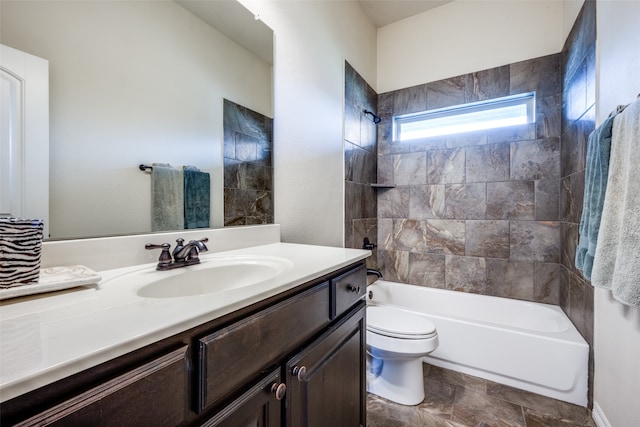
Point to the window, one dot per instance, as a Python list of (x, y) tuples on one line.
[(494, 113)]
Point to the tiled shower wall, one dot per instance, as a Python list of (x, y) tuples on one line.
[(360, 143), (578, 121), (248, 166), (493, 212), (475, 212)]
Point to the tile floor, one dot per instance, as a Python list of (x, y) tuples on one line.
[(458, 400)]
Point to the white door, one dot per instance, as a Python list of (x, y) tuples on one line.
[(24, 136)]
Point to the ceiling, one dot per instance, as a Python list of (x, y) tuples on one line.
[(385, 12), (233, 20)]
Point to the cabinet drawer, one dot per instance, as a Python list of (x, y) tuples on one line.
[(152, 394), (347, 289), (230, 357)]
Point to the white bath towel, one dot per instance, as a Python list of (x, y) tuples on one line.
[(616, 264)]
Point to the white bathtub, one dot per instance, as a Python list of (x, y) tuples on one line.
[(528, 345)]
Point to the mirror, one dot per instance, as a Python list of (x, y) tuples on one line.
[(137, 82)]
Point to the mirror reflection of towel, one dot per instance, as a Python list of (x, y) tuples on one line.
[(167, 198), (197, 193)]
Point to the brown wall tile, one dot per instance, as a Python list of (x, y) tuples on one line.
[(427, 269), (410, 168), (548, 278), (487, 239), (466, 201), (409, 235), (467, 274), (578, 110), (487, 163), (484, 190), (510, 200), (535, 240), (445, 93), (510, 279), (446, 166), (547, 199), (487, 84), (445, 236), (427, 201), (538, 159), (361, 163)]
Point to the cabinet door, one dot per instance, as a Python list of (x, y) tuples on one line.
[(154, 394), (260, 406), (326, 381)]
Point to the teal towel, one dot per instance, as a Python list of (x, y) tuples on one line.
[(595, 185), (167, 198), (197, 194)]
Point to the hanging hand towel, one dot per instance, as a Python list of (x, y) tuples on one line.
[(616, 265), (167, 198), (597, 170), (197, 194)]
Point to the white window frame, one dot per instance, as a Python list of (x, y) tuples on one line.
[(465, 118)]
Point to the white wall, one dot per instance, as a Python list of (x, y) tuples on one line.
[(130, 82), (570, 12), (313, 39), (466, 36), (617, 327)]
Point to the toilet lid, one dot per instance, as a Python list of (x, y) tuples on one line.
[(399, 323)]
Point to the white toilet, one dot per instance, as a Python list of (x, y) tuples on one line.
[(396, 342)]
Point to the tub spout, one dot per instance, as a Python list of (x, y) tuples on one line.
[(374, 272)]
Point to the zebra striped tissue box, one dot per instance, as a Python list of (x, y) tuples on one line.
[(20, 250)]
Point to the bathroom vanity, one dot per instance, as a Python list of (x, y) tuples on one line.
[(289, 352)]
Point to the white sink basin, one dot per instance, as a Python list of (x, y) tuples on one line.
[(213, 275)]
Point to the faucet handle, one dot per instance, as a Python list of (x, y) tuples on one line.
[(203, 247), (197, 246), (366, 244), (165, 257)]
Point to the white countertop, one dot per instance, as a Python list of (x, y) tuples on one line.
[(47, 337)]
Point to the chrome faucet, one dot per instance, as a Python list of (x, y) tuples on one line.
[(182, 255), (189, 251)]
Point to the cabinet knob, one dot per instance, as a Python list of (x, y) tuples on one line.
[(279, 390), (300, 372), (354, 289)]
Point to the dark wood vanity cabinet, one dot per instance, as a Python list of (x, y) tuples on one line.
[(296, 359), (323, 360)]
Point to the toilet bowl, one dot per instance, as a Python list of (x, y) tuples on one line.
[(396, 342)]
